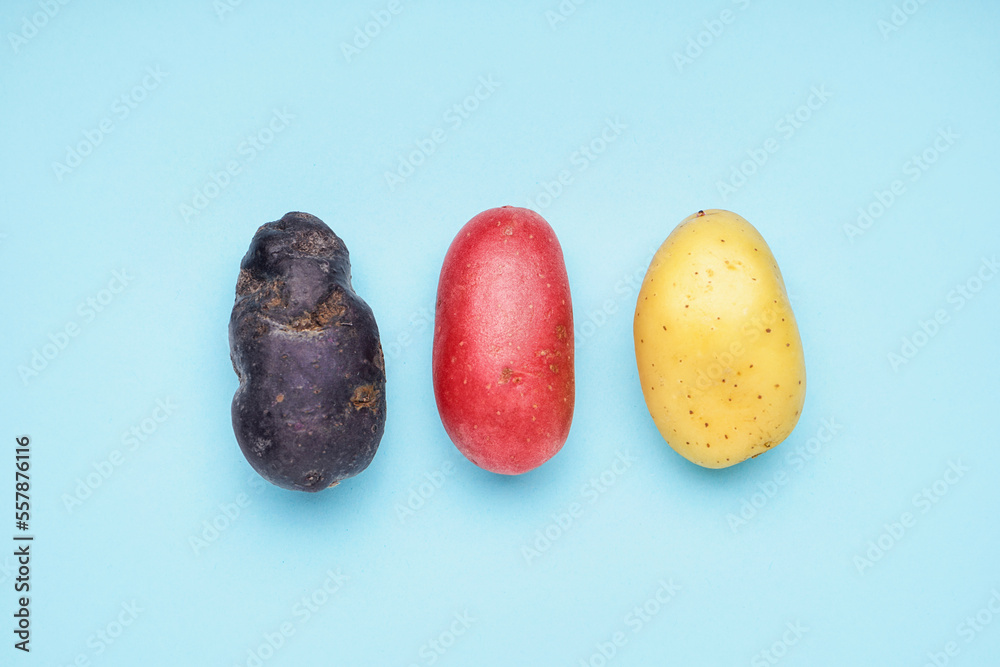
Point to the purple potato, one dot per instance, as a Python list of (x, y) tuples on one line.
[(310, 408)]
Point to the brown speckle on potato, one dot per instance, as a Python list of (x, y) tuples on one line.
[(365, 396), (314, 242), (246, 283), (322, 315)]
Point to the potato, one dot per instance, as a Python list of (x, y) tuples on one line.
[(310, 409), (503, 342), (716, 344)]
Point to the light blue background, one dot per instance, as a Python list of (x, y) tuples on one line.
[(164, 336)]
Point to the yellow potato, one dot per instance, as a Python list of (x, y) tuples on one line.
[(718, 351)]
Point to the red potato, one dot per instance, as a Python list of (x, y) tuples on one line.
[(503, 342)]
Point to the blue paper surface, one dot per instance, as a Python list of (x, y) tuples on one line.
[(143, 145)]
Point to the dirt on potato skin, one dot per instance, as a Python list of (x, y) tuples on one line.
[(310, 409)]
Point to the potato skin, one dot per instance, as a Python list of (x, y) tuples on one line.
[(503, 342), (716, 344), (310, 409)]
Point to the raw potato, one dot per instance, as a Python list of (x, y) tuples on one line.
[(503, 342), (310, 408), (718, 351)]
